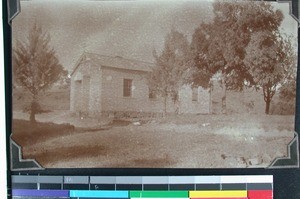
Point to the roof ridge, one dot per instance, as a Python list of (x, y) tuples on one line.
[(117, 56)]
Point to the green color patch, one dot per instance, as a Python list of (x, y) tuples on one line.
[(159, 194)]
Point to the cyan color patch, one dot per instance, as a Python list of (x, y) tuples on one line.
[(99, 194)]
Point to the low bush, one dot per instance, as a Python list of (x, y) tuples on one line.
[(283, 108)]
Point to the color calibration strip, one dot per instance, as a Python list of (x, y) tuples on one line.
[(147, 187)]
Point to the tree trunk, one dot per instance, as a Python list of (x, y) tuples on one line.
[(32, 117), (267, 109), (224, 109), (33, 110), (165, 105), (210, 96), (268, 95)]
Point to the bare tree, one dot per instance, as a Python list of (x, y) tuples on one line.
[(35, 65)]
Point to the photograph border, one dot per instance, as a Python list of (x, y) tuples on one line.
[(14, 8), (286, 181)]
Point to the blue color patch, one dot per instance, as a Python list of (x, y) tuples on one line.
[(40, 193)]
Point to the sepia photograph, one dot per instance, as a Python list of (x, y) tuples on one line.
[(154, 84)]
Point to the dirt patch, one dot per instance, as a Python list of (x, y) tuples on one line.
[(65, 153), (155, 162), (223, 143), (119, 123)]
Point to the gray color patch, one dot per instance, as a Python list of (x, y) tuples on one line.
[(24, 179), (259, 186), (155, 180), (50, 179), (207, 179), (181, 179), (129, 180), (102, 180), (76, 179)]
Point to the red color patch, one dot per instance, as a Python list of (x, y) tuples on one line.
[(266, 194)]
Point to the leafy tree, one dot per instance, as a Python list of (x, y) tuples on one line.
[(287, 91), (64, 82), (269, 59), (173, 67), (219, 46), (35, 65)]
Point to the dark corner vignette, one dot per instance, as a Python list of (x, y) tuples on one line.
[(8, 86)]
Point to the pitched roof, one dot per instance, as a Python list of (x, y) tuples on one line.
[(115, 62)]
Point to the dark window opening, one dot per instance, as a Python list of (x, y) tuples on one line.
[(152, 94), (127, 88), (195, 94)]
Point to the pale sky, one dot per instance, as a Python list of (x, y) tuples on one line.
[(131, 29)]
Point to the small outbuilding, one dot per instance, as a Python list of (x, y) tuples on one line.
[(115, 86)]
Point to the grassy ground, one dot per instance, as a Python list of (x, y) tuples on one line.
[(25, 133), (186, 141)]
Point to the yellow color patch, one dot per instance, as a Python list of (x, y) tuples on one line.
[(217, 194)]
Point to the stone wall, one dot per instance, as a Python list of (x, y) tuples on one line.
[(113, 100), (80, 87), (187, 105), (112, 92), (97, 90), (95, 105)]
